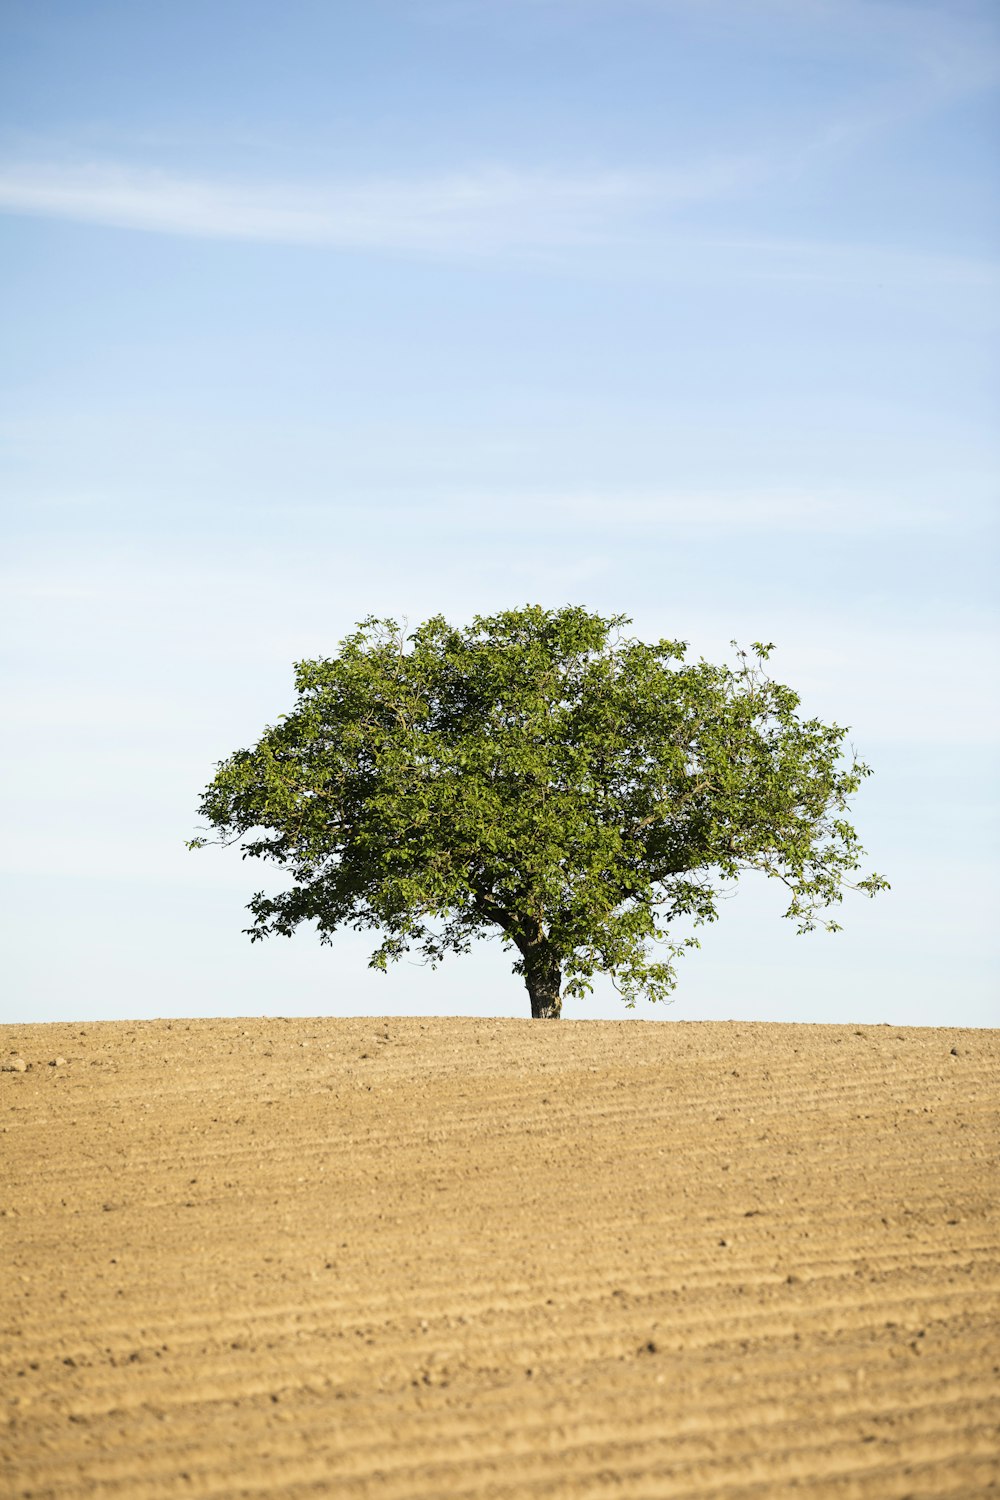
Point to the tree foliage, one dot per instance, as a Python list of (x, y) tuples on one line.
[(541, 775)]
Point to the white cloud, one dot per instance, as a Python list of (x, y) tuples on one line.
[(490, 211), (476, 211)]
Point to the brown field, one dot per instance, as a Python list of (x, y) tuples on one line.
[(479, 1258)]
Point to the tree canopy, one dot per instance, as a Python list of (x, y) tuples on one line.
[(541, 775)]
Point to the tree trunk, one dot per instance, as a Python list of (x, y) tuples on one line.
[(543, 977)]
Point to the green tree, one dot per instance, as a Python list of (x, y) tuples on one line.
[(541, 774)]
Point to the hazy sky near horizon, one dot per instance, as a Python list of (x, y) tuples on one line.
[(682, 308)]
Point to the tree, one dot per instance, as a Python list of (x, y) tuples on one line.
[(542, 775)]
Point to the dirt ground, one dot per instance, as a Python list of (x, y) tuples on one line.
[(417, 1259)]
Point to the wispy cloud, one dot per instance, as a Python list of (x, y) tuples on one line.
[(490, 212), (472, 212)]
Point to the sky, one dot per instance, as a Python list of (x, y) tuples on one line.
[(685, 309)]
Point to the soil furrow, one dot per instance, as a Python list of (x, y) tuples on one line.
[(418, 1260)]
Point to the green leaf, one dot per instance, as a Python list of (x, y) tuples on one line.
[(539, 775)]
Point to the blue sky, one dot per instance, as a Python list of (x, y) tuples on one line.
[(685, 308)]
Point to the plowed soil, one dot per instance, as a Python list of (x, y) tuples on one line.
[(477, 1258)]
